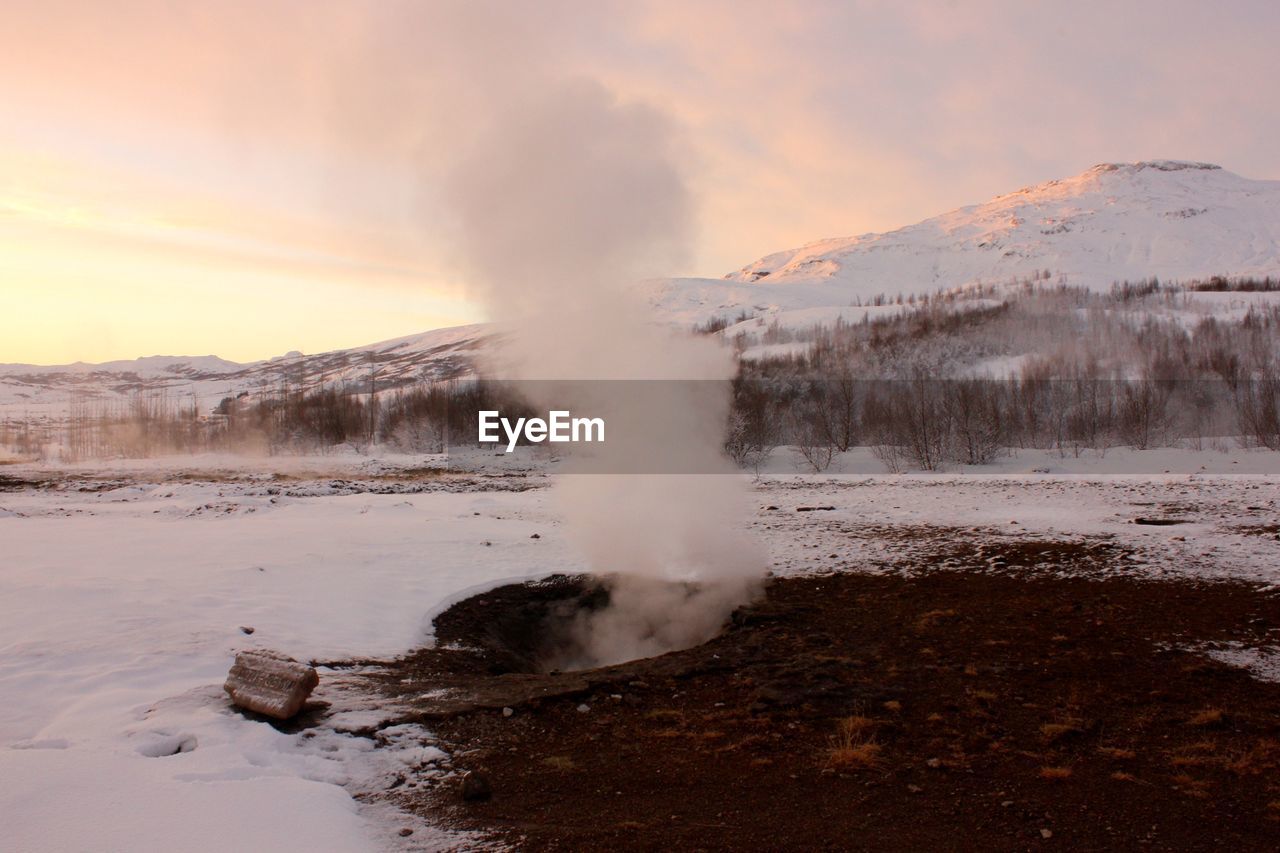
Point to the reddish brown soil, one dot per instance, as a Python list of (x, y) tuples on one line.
[(986, 712)]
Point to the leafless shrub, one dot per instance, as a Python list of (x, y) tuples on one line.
[(1143, 416), (812, 436), (1258, 407), (975, 410)]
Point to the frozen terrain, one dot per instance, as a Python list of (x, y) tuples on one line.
[(126, 589), (33, 391), (1170, 219), (1174, 220)]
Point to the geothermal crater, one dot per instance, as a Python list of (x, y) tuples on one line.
[(544, 626)]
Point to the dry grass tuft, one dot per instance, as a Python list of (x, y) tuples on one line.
[(1260, 759), (744, 744), (933, 617), (1191, 786), (1184, 760), (1121, 776), (855, 756), (1116, 753), (1056, 774), (664, 714), (668, 733), (852, 747), (856, 725), (563, 763), (1207, 717), (1057, 731)]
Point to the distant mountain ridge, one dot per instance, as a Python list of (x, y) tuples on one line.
[(27, 390), (1176, 220)]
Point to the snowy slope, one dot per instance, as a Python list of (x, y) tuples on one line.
[(29, 390), (1170, 219)]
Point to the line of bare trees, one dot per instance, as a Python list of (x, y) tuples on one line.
[(928, 424), (1037, 366), (1067, 369), (424, 418), (917, 422)]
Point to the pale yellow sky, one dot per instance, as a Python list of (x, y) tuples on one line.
[(248, 177), (98, 265)]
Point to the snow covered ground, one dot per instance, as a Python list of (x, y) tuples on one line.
[(124, 590), (120, 611)]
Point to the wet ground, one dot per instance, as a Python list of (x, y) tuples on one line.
[(1000, 708)]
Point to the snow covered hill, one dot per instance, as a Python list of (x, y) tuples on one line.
[(33, 391), (1170, 219)]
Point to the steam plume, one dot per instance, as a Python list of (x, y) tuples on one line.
[(563, 202)]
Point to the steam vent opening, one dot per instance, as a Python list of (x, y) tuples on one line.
[(547, 625)]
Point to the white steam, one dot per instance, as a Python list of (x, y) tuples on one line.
[(564, 202)]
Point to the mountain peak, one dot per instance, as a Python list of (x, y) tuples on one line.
[(1157, 165), (1177, 220)]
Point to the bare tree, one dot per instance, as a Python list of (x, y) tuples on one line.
[(1258, 407), (811, 431), (1144, 412), (975, 409)]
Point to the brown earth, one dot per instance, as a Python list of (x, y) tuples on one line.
[(957, 710)]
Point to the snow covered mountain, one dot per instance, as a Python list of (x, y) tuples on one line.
[(1170, 219), (29, 390)]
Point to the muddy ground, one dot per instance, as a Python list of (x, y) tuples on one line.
[(999, 709)]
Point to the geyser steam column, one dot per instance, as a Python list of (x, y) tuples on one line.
[(567, 199)]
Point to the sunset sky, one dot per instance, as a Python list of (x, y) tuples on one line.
[(248, 177)]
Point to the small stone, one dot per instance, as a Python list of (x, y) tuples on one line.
[(270, 683), (1006, 804), (246, 629), (507, 712), (536, 536), (406, 832), (1046, 833), (915, 789), (475, 787), (934, 762), (584, 708)]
